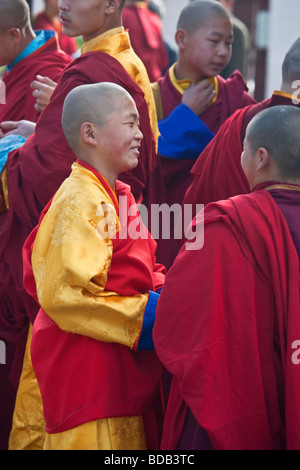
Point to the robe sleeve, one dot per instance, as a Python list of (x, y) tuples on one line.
[(183, 135), (71, 261)]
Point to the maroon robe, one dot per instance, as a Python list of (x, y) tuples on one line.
[(235, 317), (49, 60)]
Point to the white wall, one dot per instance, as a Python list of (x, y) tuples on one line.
[(38, 5), (173, 8), (284, 29)]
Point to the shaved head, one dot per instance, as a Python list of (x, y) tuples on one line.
[(14, 14), (291, 64), (90, 103), (198, 13), (277, 130)]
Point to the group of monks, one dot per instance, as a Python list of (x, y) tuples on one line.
[(224, 317)]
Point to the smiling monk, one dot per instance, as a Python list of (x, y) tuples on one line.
[(90, 339)]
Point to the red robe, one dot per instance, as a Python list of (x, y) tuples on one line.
[(217, 173), (49, 61), (145, 30), (68, 45), (235, 317)]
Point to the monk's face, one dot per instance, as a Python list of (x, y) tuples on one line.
[(207, 51), (120, 138), (86, 18)]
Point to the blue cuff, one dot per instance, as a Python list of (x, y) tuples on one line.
[(183, 134), (146, 341), (7, 144)]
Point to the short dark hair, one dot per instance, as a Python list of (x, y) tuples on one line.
[(277, 130), (196, 14)]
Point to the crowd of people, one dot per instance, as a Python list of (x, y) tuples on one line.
[(117, 339)]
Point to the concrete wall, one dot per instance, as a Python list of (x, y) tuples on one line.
[(38, 5)]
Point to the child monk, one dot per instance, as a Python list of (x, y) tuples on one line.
[(95, 281)]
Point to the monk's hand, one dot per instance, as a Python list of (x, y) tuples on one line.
[(23, 128), (43, 88), (199, 97)]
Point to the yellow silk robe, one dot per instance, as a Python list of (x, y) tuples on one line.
[(58, 256), (28, 428)]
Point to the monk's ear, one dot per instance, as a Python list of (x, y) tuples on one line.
[(112, 6), (262, 158), (14, 35), (87, 133), (180, 38)]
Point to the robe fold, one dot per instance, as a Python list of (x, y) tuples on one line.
[(93, 289), (49, 60), (235, 319), (145, 30), (217, 174)]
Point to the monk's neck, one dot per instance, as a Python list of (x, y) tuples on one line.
[(111, 24), (183, 73), (26, 38)]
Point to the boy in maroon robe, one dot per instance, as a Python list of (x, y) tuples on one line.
[(25, 53), (193, 94), (234, 347)]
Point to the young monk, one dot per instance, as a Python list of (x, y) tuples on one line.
[(33, 173), (25, 53), (234, 348), (95, 282), (192, 99), (217, 173)]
